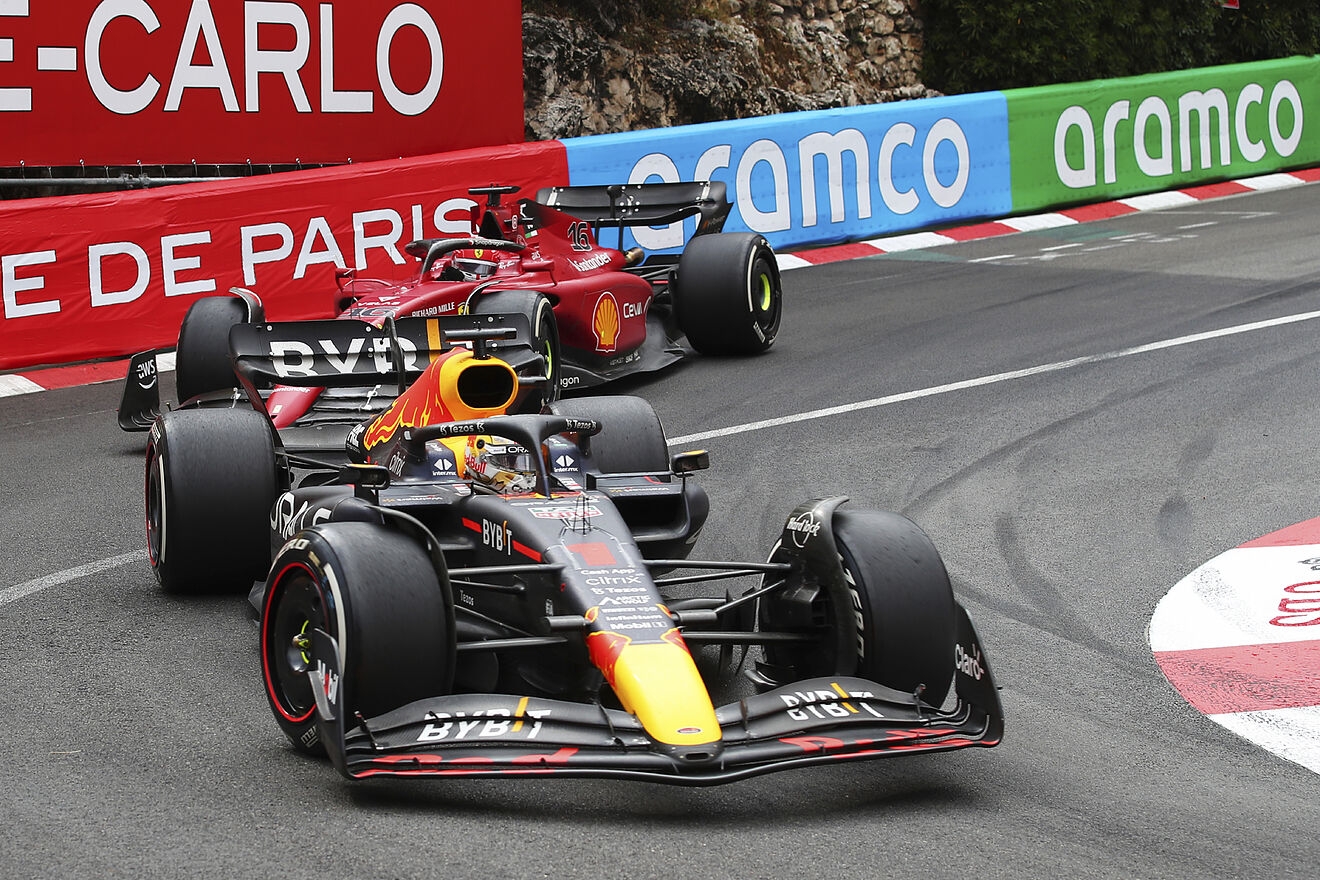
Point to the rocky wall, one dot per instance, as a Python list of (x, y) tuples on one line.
[(592, 74)]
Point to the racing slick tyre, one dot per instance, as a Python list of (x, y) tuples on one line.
[(900, 611), (210, 482), (396, 645), (201, 361), (631, 439), (727, 294), (541, 315)]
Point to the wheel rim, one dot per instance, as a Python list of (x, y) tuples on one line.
[(766, 293), (297, 610), (546, 332), (156, 510), (765, 304)]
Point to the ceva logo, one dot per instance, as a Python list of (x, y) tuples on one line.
[(1208, 114)]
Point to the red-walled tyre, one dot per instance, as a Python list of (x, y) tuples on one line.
[(376, 592)]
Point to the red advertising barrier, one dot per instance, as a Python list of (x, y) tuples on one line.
[(116, 82), (95, 276)]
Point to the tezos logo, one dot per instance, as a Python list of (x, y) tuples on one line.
[(804, 526)]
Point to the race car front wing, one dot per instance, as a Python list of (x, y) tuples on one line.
[(809, 722)]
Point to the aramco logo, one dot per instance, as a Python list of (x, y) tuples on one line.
[(605, 322)]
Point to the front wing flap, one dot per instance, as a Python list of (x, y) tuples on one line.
[(495, 735)]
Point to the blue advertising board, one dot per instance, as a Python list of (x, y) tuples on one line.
[(823, 176)]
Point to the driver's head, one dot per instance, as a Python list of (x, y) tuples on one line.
[(503, 466), (475, 264)]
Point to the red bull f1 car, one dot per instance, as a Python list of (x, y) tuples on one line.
[(598, 313), (466, 590)]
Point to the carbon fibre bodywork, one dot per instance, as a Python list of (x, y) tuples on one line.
[(416, 620)]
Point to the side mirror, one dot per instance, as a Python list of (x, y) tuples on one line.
[(687, 462)]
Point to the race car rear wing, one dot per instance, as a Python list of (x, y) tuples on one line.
[(643, 204), (340, 353)]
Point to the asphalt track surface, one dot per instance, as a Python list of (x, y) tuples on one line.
[(1078, 417)]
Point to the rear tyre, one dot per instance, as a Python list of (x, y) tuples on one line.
[(899, 610), (396, 645), (210, 483), (631, 439), (545, 334), (201, 363), (727, 294)]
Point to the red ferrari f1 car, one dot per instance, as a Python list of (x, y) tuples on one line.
[(598, 313), (465, 592)]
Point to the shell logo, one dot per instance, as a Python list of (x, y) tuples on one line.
[(605, 322)]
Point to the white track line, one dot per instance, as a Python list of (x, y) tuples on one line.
[(12, 594), (992, 380)]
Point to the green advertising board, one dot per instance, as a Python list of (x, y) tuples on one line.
[(1093, 141)]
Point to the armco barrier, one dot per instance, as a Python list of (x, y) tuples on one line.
[(103, 276), (824, 176), (1103, 140)]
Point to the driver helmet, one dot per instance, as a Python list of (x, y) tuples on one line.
[(505, 467), (475, 264)]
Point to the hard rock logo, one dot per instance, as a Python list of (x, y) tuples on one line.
[(605, 322)]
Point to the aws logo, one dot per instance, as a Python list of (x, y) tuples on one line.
[(605, 322)]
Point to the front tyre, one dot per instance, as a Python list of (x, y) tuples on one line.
[(727, 294), (376, 592), (891, 621), (545, 333), (210, 482), (908, 614)]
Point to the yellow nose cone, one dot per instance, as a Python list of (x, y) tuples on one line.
[(659, 683)]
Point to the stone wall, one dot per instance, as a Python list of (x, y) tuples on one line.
[(588, 75)]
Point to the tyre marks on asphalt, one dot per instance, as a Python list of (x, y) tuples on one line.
[(1239, 638)]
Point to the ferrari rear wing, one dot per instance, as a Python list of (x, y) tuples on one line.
[(815, 721), (643, 204)]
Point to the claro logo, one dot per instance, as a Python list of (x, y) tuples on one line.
[(1205, 120), (968, 663), (276, 39)]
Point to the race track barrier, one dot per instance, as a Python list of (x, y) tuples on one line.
[(93, 277)]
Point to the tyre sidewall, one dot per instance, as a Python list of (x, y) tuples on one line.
[(728, 294), (210, 482), (540, 313), (202, 363), (384, 607), (631, 439), (902, 608)]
